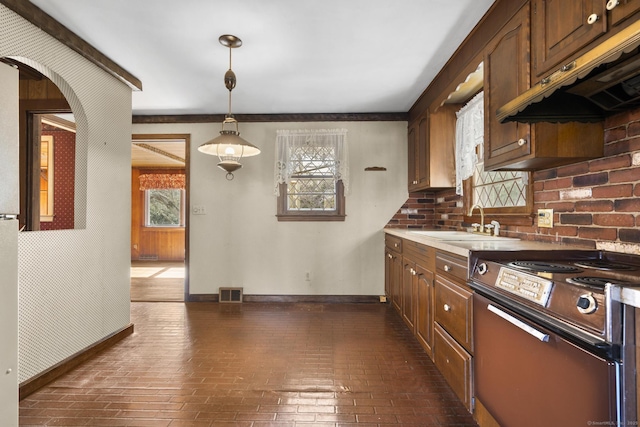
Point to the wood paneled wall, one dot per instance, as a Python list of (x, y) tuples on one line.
[(163, 244)]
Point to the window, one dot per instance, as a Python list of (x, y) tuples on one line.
[(311, 175), (164, 208), (46, 178), (506, 195)]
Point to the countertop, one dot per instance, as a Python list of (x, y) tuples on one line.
[(626, 295), (463, 247)]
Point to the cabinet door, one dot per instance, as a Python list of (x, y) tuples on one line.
[(412, 156), (424, 311), (622, 9), (408, 290), (396, 282), (423, 152), (506, 65), (562, 27), (388, 273)]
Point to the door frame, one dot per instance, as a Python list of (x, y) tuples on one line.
[(187, 166)]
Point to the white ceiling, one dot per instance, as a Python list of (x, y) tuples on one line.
[(298, 56)]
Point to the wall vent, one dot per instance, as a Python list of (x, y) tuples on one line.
[(230, 295)]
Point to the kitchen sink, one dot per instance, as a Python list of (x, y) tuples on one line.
[(456, 235)]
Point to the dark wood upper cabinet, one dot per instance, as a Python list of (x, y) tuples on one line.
[(419, 154), (562, 27), (431, 150), (523, 146), (622, 9), (506, 75)]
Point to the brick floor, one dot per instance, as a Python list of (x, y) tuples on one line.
[(253, 364)]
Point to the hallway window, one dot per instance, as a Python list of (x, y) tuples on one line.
[(164, 208)]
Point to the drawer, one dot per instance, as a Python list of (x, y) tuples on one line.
[(420, 253), (452, 265), (455, 364), (454, 311), (394, 243)]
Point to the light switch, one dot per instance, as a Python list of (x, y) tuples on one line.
[(545, 218), (198, 210)]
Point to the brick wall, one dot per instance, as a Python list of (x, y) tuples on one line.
[(596, 203), (416, 213)]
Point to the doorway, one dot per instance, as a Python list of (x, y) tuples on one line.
[(159, 217)]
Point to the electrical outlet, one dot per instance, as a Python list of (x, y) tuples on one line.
[(307, 276), (383, 298), (545, 218)]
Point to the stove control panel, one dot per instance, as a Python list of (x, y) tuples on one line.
[(532, 288)]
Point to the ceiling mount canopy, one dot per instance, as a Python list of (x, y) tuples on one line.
[(229, 146)]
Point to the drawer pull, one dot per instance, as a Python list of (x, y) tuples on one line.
[(522, 142), (395, 245), (592, 19), (611, 4), (447, 268), (447, 307)]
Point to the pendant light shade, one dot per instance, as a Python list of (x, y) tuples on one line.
[(229, 146)]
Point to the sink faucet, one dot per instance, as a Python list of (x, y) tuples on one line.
[(481, 215)]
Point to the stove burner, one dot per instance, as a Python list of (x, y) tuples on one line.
[(544, 267), (601, 264), (598, 282)]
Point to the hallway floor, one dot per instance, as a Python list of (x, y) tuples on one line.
[(157, 281), (253, 364)]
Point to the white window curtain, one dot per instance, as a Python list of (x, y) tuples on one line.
[(469, 135), (288, 140)]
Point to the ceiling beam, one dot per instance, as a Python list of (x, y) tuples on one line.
[(159, 151), (46, 23), (262, 118)]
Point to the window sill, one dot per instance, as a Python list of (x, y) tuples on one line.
[(310, 217)]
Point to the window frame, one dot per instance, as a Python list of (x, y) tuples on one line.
[(183, 215), (519, 215), (337, 214)]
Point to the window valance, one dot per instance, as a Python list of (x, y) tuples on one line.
[(162, 181), (305, 151)]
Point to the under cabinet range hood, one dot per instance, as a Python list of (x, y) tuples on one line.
[(603, 81)]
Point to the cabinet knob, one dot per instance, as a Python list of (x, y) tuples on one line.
[(592, 19), (395, 245), (447, 268), (611, 4), (447, 307), (390, 256), (522, 142)]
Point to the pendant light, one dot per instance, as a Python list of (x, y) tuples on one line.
[(229, 146)]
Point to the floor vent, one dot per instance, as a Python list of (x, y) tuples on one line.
[(230, 295), (148, 257)]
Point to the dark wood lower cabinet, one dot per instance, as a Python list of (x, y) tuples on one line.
[(455, 364), (424, 309)]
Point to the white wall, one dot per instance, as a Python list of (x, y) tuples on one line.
[(74, 284), (239, 241)]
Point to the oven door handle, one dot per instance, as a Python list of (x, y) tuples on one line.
[(518, 323)]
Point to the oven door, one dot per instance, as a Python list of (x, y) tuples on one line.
[(526, 375)]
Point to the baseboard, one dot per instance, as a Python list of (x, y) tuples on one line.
[(328, 299), (34, 384)]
